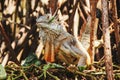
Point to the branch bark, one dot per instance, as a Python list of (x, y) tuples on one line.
[(106, 38), (93, 27)]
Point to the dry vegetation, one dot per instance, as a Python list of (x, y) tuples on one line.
[(88, 26)]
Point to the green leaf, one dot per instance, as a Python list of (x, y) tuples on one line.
[(81, 68), (3, 73), (31, 59), (52, 65)]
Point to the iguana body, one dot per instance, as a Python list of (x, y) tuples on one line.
[(52, 33)]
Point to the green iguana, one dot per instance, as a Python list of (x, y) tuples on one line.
[(56, 39)]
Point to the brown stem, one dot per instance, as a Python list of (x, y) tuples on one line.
[(53, 5), (106, 39), (72, 17), (7, 41), (93, 28), (116, 27)]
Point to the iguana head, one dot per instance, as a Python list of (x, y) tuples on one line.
[(44, 19), (47, 18)]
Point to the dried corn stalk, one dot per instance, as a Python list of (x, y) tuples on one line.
[(57, 41)]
